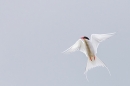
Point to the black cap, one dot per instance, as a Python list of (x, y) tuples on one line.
[(86, 37)]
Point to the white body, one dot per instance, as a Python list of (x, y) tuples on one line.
[(89, 48)]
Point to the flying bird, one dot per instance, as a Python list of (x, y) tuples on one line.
[(89, 48)]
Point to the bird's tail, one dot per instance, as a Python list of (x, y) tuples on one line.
[(94, 63)]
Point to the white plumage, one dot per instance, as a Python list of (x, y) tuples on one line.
[(89, 48)]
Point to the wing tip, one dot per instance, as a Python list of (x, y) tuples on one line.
[(64, 52), (112, 33)]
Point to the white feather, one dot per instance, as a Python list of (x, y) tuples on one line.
[(79, 45), (97, 38)]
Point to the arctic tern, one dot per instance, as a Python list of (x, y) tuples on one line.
[(89, 48)]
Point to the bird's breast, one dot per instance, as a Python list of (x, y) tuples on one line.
[(89, 49)]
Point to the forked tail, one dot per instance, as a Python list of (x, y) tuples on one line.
[(94, 63)]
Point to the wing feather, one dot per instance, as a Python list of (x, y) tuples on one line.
[(79, 45), (97, 38)]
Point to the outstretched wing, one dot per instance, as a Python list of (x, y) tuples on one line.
[(97, 38), (79, 45)]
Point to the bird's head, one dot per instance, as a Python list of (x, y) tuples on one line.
[(84, 37)]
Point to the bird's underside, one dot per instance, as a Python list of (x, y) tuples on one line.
[(89, 49)]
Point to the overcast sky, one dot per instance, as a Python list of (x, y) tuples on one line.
[(33, 33)]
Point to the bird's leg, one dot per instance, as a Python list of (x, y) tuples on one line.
[(90, 58), (94, 57)]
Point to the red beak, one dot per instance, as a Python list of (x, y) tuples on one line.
[(82, 37)]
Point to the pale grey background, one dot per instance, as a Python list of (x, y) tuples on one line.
[(33, 33)]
